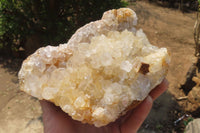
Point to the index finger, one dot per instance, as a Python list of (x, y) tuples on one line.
[(156, 92)]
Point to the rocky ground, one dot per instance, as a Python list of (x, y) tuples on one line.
[(20, 113)]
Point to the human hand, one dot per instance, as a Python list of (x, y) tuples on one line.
[(56, 121)]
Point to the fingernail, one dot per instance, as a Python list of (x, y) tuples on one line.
[(149, 99), (165, 82)]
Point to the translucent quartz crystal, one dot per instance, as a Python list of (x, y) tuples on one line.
[(126, 66), (98, 75), (96, 80)]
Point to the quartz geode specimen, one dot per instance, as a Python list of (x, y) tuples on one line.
[(106, 68)]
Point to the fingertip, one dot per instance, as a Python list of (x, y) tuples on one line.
[(163, 85), (158, 90), (139, 114), (149, 100), (165, 82)]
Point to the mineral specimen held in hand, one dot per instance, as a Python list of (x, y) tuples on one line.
[(105, 68)]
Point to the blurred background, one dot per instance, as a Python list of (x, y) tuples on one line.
[(26, 25)]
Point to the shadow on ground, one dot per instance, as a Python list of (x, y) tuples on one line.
[(11, 65), (164, 113)]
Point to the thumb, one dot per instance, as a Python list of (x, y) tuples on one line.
[(137, 117)]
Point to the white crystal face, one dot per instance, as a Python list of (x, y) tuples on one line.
[(106, 67), (101, 79)]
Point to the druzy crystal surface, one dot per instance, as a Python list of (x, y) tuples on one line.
[(100, 72)]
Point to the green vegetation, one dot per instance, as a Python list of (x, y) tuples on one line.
[(185, 122), (183, 5), (51, 21), (159, 126)]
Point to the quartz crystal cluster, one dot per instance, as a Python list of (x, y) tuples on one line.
[(106, 67)]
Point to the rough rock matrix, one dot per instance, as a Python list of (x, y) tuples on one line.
[(106, 67)]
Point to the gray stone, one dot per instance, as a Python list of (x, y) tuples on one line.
[(193, 126)]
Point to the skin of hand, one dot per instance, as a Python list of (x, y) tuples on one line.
[(56, 121)]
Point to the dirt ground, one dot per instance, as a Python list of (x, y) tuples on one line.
[(20, 113), (174, 30)]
